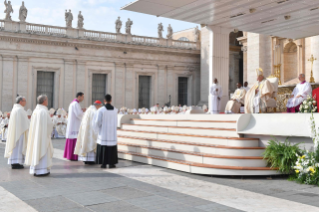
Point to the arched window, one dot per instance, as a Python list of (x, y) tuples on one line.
[(183, 39)]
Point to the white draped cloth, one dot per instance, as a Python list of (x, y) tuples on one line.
[(304, 90), (4, 130), (40, 150), (60, 126), (215, 93), (74, 120), (87, 138), (18, 127), (105, 124)]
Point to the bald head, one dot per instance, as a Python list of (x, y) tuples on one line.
[(302, 77)]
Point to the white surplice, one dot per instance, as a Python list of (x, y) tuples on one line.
[(4, 130), (17, 135), (40, 150), (303, 89), (74, 120), (105, 123), (87, 139), (215, 93)]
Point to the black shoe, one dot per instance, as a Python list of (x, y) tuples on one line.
[(42, 175), (103, 167), (73, 160), (112, 166), (85, 163), (17, 166)]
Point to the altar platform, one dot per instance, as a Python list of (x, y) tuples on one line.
[(208, 144)]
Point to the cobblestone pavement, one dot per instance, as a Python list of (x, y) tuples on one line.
[(134, 187)]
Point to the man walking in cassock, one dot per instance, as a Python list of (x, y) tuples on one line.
[(72, 130), (18, 127), (40, 150), (86, 142), (216, 94), (105, 123)]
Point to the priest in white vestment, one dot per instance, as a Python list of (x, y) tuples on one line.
[(258, 94), (4, 126), (59, 124), (237, 100), (18, 127), (72, 130), (105, 124), (246, 87), (40, 150), (216, 94), (299, 94), (87, 139)]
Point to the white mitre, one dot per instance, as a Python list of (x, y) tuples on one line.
[(5, 115), (259, 72), (51, 111), (29, 112), (59, 112)]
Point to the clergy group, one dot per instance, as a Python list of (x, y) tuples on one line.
[(90, 134)]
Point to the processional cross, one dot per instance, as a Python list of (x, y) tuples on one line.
[(312, 59)]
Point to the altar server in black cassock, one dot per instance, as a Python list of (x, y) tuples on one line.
[(105, 125)]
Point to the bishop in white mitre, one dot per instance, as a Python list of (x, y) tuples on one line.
[(4, 126), (18, 127), (72, 130), (258, 94), (87, 138), (299, 94), (237, 100), (216, 94), (59, 124), (40, 150), (105, 124)]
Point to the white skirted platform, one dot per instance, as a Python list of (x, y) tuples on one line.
[(17, 157)]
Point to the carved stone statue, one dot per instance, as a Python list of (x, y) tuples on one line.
[(80, 20), (160, 30), (196, 34), (23, 13), (118, 25), (169, 32), (68, 18), (8, 10), (128, 26)]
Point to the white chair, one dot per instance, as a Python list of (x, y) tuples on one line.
[(272, 103)]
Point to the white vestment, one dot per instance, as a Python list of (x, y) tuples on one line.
[(215, 93), (304, 90), (74, 120), (40, 150), (246, 88), (105, 123), (86, 141), (16, 144), (4, 130), (60, 130)]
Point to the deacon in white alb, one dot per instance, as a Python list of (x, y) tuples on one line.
[(105, 124), (216, 94), (18, 127), (72, 130), (59, 124), (4, 126), (40, 150), (87, 139), (299, 94)]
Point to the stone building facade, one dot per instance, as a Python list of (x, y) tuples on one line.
[(138, 71)]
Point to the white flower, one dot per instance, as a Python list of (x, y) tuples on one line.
[(300, 108), (306, 106), (314, 101), (305, 102)]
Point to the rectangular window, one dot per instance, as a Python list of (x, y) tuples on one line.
[(45, 85), (182, 90), (144, 92), (99, 87)]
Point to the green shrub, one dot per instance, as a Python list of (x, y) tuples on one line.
[(282, 155)]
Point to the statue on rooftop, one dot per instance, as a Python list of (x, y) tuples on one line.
[(68, 18), (23, 13), (169, 32), (80, 20), (118, 25), (196, 34), (8, 10), (128, 26), (160, 30)]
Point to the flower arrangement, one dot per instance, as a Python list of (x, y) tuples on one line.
[(308, 105), (307, 169)]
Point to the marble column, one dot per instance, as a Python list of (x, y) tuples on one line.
[(130, 82), (119, 85), (22, 77), (69, 83), (162, 84), (8, 83), (315, 52)]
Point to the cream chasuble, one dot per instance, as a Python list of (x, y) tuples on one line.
[(60, 125), (18, 126), (39, 139), (233, 105), (87, 138), (256, 102)]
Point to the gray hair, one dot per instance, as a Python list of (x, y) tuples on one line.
[(42, 98), (19, 99), (302, 75)]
